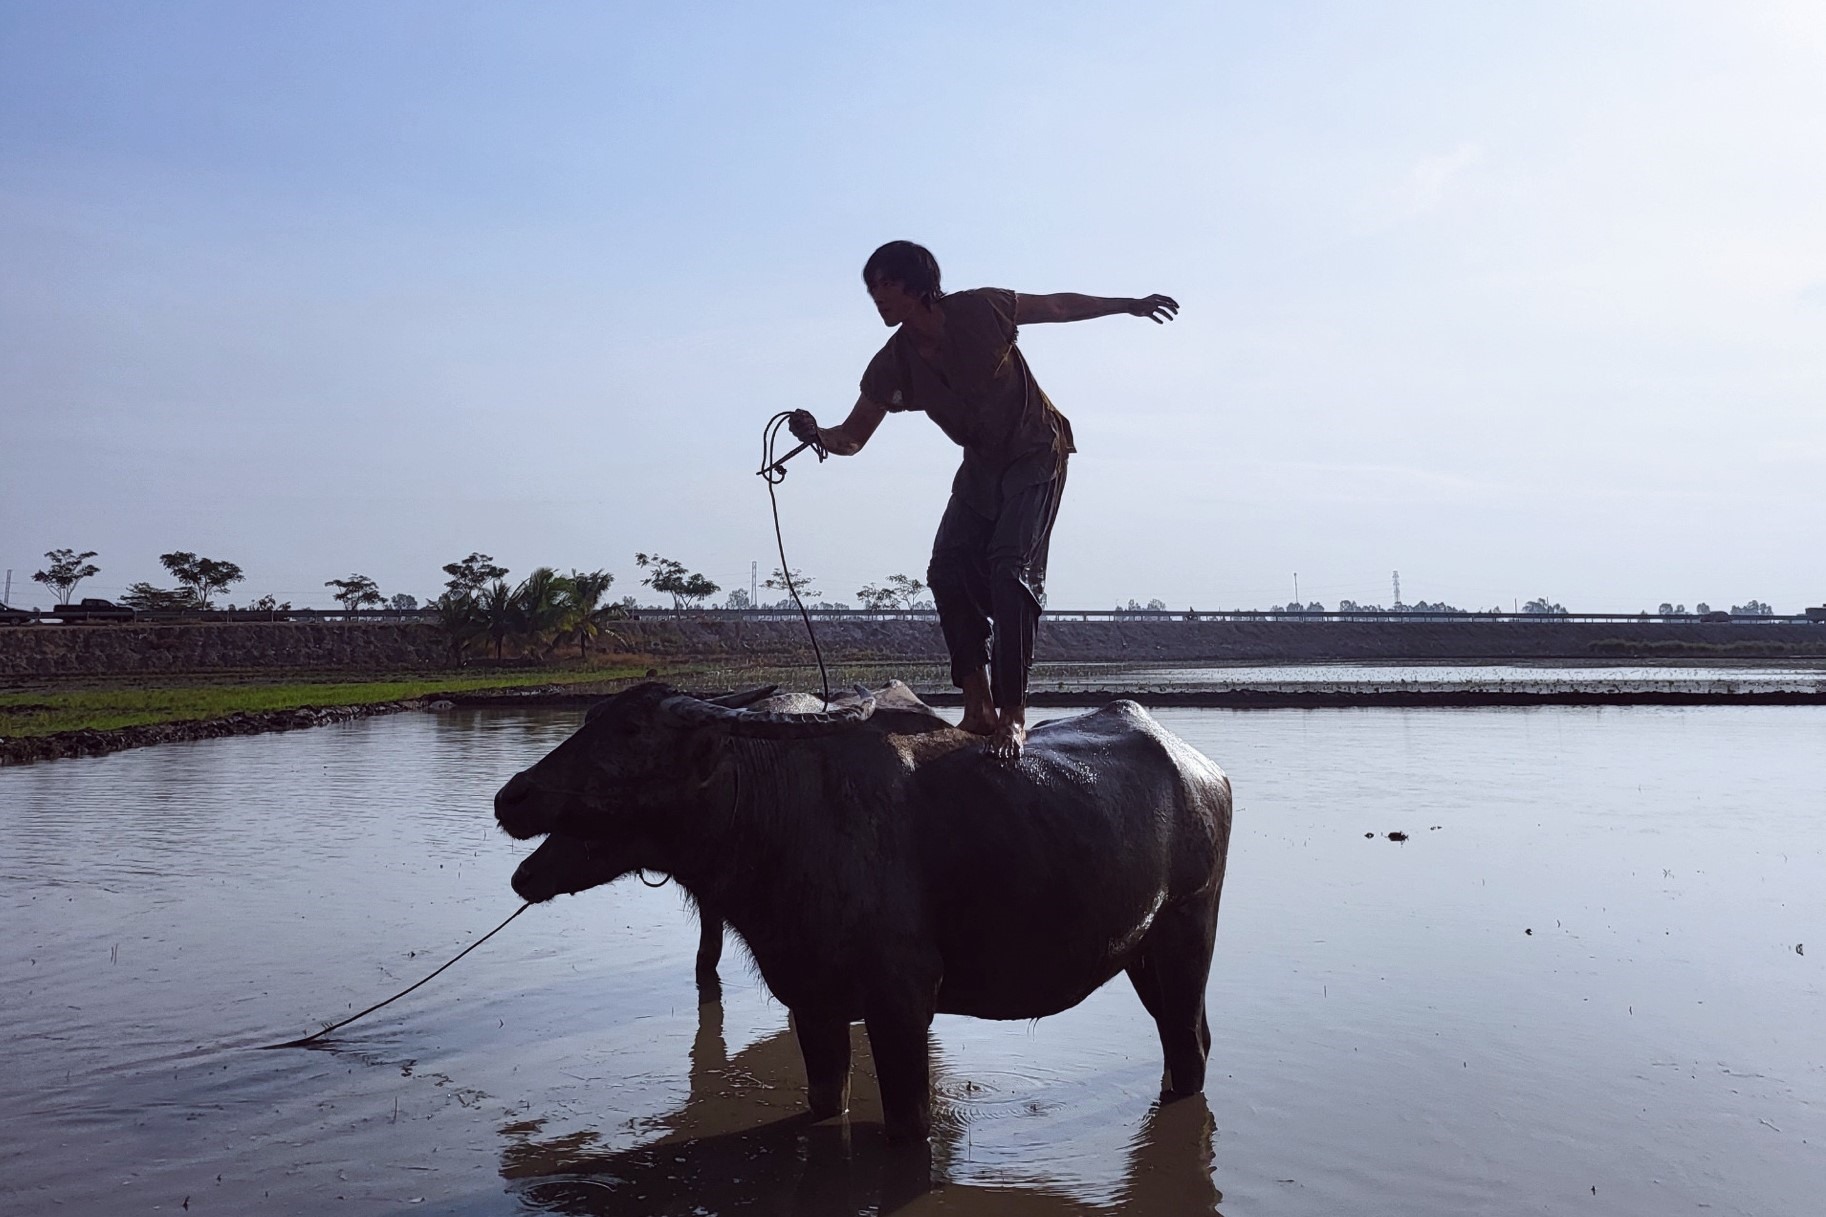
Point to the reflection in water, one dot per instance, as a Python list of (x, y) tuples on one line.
[(742, 1143)]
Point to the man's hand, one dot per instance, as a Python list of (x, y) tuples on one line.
[(803, 426), (1158, 309)]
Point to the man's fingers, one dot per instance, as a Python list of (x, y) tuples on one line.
[(1160, 309)]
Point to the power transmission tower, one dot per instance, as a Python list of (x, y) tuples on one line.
[(1397, 589)]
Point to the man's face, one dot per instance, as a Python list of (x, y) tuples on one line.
[(892, 301)]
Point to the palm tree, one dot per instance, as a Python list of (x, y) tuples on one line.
[(458, 618), (539, 605), (497, 613), (584, 610)]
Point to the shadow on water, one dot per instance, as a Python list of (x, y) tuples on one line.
[(742, 1143)]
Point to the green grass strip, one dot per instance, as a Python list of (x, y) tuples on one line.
[(46, 711)]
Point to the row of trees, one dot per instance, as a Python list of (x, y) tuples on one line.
[(690, 590), (477, 578), (199, 579), (539, 614)]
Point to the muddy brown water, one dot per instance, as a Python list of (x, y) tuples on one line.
[(1390, 1037)]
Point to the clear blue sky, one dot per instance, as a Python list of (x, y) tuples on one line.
[(1520, 300)]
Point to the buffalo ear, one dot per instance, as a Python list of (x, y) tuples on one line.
[(744, 699), (589, 716)]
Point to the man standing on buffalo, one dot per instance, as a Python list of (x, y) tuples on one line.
[(953, 357)]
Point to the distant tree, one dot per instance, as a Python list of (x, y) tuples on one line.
[(1755, 608), (497, 615), (1158, 605), (584, 611), (460, 622), (878, 599), (1544, 607), (355, 593), (67, 569), (540, 608), (1666, 609), (894, 592), (203, 576), (1702, 607), (266, 604), (472, 574), (801, 583), (738, 599), (402, 602), (670, 577), (1315, 607), (148, 599)]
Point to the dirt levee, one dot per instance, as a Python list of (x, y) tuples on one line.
[(86, 650)]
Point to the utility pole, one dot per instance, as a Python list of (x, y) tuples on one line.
[(754, 587), (7, 595), (1397, 589), (1296, 589)]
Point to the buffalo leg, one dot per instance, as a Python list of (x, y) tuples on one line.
[(1146, 988), (1174, 966), (824, 1042), (709, 953), (898, 1041)]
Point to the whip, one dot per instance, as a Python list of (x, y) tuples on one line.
[(316, 1035), (773, 472)]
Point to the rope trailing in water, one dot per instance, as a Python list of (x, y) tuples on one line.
[(299, 1043), (773, 472)]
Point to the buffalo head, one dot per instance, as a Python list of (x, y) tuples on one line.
[(641, 760)]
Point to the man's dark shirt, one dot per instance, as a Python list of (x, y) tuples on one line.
[(981, 393)]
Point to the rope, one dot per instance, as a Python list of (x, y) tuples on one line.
[(773, 472), (299, 1043)]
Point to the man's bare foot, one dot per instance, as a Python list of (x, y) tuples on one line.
[(979, 724), (1009, 737), (980, 717)]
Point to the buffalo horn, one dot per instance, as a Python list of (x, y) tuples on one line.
[(745, 698), (766, 724)]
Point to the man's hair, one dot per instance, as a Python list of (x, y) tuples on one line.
[(912, 266)]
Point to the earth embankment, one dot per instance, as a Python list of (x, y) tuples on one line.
[(48, 651)]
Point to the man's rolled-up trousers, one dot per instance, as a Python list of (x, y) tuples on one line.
[(988, 577)]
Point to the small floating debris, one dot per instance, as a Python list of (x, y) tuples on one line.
[(1797, 948), (1528, 931), (1398, 836)]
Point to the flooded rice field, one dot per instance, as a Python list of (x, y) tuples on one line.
[(1589, 980), (1333, 678)]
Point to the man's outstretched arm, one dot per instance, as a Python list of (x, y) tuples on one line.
[(1070, 306), (848, 436)]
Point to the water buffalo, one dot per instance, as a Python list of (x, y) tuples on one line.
[(882, 867)]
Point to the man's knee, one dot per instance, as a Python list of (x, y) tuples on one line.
[(947, 573), (1012, 573)]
